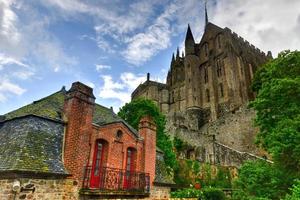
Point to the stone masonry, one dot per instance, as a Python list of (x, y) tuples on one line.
[(206, 94)]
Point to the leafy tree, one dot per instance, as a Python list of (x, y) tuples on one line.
[(133, 112), (295, 192), (260, 179), (277, 106), (278, 110)]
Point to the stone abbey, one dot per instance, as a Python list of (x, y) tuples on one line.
[(204, 86), (214, 75)]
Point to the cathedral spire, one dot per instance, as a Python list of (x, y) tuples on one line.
[(177, 53), (173, 59), (189, 42), (189, 34), (206, 17)]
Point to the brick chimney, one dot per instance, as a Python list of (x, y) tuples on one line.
[(147, 129), (78, 113)]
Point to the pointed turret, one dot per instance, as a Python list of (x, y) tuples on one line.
[(173, 58), (189, 35), (189, 42), (206, 16), (177, 54)]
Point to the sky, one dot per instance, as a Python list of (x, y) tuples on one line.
[(111, 45)]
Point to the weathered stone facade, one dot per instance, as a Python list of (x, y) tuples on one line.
[(46, 189), (206, 94)]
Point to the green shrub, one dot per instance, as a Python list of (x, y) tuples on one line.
[(205, 194), (295, 192), (213, 194), (187, 193)]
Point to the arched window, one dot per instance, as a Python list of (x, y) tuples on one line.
[(221, 90), (219, 67), (219, 41), (205, 74), (130, 159), (99, 161), (207, 95), (205, 48), (119, 134), (130, 168)]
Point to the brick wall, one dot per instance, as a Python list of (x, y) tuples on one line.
[(147, 130), (78, 111), (117, 146)]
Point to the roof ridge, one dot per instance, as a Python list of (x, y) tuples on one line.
[(39, 100)]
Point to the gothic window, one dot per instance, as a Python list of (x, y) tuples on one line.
[(173, 96), (219, 41), (221, 90), (205, 47), (207, 95), (219, 67), (205, 75)]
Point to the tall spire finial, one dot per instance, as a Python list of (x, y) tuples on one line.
[(206, 17), (177, 53)]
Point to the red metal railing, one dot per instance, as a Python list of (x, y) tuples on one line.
[(111, 179)]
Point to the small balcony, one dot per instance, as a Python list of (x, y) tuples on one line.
[(115, 182)]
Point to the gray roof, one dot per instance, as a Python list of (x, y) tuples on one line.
[(31, 144), (52, 107)]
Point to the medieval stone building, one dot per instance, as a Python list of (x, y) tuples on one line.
[(205, 88), (65, 146)]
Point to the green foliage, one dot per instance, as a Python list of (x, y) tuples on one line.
[(295, 192), (179, 144), (187, 193), (223, 178), (205, 194), (278, 109), (213, 194), (133, 112), (259, 179)]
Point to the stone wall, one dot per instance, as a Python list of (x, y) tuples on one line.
[(61, 189), (236, 130), (44, 189), (233, 133), (159, 193), (226, 156)]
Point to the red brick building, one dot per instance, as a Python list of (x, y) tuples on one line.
[(81, 150)]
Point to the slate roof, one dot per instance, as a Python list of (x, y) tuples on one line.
[(31, 144), (52, 107)]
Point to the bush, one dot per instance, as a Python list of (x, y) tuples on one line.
[(213, 194), (295, 192), (187, 193), (205, 194)]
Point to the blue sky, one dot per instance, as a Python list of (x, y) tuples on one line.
[(111, 45)]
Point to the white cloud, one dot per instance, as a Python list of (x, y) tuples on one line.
[(8, 88), (7, 60), (131, 81), (102, 67), (269, 24), (22, 74), (8, 22), (120, 90)]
